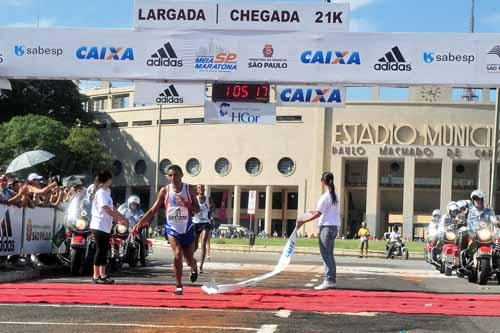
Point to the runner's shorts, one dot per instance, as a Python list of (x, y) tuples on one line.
[(185, 239), (199, 227)]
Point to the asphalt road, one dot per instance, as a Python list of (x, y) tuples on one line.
[(304, 272)]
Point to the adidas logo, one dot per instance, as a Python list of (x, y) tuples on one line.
[(393, 61), (169, 96), (495, 50), (6, 244), (164, 57)]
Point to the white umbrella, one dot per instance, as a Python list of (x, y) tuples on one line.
[(28, 160)]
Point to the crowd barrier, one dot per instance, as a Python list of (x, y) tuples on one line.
[(28, 230)]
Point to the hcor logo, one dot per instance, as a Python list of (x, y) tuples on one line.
[(224, 109)]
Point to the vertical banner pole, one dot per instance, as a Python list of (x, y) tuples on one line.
[(494, 171)]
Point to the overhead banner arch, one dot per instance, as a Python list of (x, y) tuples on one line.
[(468, 60)]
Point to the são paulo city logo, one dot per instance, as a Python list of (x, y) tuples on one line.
[(329, 57), (393, 61), (311, 95), (105, 53), (493, 65), (215, 58), (165, 56), (268, 61), (170, 96)]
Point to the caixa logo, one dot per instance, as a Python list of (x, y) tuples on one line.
[(105, 53), (311, 95), (329, 57)]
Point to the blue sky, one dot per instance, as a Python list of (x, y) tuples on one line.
[(367, 15)]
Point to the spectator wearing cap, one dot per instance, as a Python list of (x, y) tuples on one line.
[(40, 195)]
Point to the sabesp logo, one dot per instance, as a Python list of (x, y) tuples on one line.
[(7, 244), (164, 57), (430, 57), (22, 50), (170, 96), (105, 53), (311, 95), (330, 57), (393, 61)]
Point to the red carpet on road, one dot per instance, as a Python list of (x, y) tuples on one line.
[(341, 301)]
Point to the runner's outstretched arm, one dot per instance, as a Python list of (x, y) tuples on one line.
[(146, 219)]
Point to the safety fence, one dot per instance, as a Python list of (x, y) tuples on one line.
[(28, 230)]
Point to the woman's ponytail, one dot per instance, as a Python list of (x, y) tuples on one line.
[(327, 178)]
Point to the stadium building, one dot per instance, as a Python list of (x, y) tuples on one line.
[(394, 159)]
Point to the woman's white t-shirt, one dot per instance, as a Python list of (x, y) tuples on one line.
[(330, 213), (100, 219)]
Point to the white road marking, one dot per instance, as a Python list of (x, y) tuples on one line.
[(314, 280), (268, 329), (47, 323), (358, 314), (309, 285), (283, 313)]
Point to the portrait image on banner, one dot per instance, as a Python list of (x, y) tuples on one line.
[(11, 224), (239, 113)]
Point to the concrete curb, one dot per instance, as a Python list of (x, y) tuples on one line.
[(298, 250), (18, 275)]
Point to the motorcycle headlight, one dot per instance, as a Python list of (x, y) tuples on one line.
[(450, 236), (121, 229), (484, 235), (81, 225)]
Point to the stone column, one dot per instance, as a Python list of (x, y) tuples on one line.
[(268, 215), (236, 205), (408, 197), (372, 197), (446, 182), (484, 176)]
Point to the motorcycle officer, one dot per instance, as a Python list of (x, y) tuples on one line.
[(477, 212), (133, 213), (433, 229), (445, 222)]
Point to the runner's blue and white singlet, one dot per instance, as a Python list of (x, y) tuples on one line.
[(178, 218), (204, 215)]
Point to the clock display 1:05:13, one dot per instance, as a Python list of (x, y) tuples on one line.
[(241, 92)]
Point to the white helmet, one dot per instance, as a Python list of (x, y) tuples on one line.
[(462, 204), (452, 206), (134, 199), (478, 193), (436, 212)]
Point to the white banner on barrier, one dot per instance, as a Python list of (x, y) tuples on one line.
[(38, 230), (239, 113), (11, 223), (171, 93), (465, 60), (174, 15), (320, 95)]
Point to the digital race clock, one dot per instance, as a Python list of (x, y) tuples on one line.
[(241, 92)]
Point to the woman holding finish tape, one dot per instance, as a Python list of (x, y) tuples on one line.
[(328, 212)]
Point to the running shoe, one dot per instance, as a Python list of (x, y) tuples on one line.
[(194, 276), (178, 291), (326, 285)]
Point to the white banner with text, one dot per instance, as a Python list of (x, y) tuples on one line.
[(320, 95), (171, 93), (240, 113)]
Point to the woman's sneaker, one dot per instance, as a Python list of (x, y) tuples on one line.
[(326, 285), (106, 280)]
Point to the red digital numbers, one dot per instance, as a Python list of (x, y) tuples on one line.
[(240, 92)]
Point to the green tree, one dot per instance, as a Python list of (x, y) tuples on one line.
[(25, 133), (77, 150), (59, 99), (86, 150)]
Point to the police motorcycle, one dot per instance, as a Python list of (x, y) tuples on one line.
[(137, 247), (79, 237), (480, 256), (118, 239), (398, 250), (432, 231), (444, 239)]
